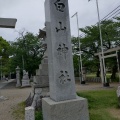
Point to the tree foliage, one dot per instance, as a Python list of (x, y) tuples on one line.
[(90, 42), (27, 52), (4, 53)]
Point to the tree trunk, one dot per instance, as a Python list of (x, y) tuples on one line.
[(98, 71), (114, 71)]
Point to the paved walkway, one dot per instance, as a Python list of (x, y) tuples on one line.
[(4, 83)]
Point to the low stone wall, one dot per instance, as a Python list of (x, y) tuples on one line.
[(118, 95), (29, 113), (90, 79)]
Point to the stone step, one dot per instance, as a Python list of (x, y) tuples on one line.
[(45, 60), (42, 72), (41, 81)]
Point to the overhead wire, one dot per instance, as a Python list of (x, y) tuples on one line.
[(114, 12)]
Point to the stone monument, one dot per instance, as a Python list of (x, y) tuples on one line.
[(18, 77), (118, 95), (25, 79), (63, 103), (40, 85)]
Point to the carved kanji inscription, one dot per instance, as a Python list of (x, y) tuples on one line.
[(64, 77), (62, 50), (59, 5), (61, 28)]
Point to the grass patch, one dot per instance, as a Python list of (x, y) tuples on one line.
[(19, 111), (103, 105), (99, 103), (38, 115)]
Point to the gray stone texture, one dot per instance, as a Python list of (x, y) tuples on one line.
[(40, 86), (61, 74), (38, 95), (118, 95), (29, 113), (18, 77), (75, 109), (25, 79), (41, 79), (7, 22), (63, 103)]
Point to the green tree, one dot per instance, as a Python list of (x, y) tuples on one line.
[(4, 53), (91, 42), (27, 52)]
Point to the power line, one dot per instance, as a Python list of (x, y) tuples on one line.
[(113, 12), (117, 14)]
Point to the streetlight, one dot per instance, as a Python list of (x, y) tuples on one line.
[(80, 57), (1, 66), (101, 40), (103, 70)]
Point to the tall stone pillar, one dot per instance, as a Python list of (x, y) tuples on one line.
[(61, 75), (18, 77), (63, 103)]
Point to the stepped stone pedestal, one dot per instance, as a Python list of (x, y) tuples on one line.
[(40, 84)]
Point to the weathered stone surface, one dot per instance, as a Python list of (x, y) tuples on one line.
[(38, 95), (45, 60), (40, 85), (63, 103), (75, 109), (41, 81), (29, 100), (7, 22), (18, 77), (25, 83), (118, 91), (43, 71), (61, 74), (118, 95), (29, 113), (25, 79)]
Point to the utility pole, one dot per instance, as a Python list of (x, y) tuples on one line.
[(1, 66), (101, 40), (80, 56)]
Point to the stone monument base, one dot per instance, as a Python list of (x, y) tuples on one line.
[(26, 83), (76, 109)]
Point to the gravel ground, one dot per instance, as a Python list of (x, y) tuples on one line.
[(17, 95), (95, 86)]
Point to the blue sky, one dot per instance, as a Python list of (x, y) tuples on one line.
[(30, 14)]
